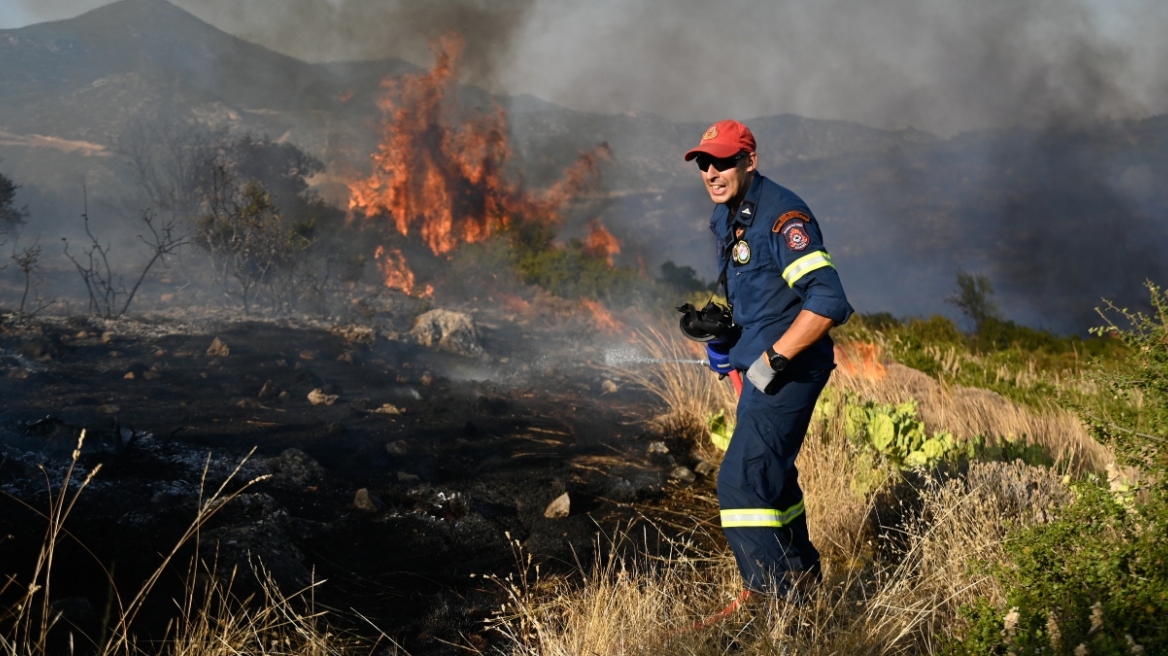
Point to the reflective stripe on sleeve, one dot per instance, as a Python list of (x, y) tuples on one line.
[(805, 265), (760, 517)]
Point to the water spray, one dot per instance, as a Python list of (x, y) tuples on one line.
[(626, 356)]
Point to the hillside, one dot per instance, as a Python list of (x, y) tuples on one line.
[(902, 208)]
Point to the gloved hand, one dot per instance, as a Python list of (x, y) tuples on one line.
[(718, 356), (760, 373)]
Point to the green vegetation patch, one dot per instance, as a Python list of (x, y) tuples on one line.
[(1093, 581)]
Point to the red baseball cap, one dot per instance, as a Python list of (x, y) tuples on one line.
[(723, 139)]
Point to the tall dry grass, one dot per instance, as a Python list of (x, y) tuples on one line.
[(968, 411), (689, 392), (209, 620), (888, 589), (898, 563)]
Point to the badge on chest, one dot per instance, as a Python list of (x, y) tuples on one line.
[(741, 252)]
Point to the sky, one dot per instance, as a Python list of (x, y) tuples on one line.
[(945, 66)]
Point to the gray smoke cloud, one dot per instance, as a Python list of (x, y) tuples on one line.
[(347, 30), (1057, 216), (939, 65)]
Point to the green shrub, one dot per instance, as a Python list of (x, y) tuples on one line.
[(895, 433), (1135, 424), (1096, 576), (573, 272)]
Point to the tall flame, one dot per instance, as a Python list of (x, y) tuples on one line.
[(445, 181), (602, 243)]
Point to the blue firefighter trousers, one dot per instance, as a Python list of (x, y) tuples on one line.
[(758, 485)]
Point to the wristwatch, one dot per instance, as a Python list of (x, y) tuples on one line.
[(778, 361)]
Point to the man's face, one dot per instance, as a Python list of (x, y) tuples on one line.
[(729, 185)]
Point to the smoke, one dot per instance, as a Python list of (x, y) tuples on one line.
[(944, 66), (939, 65), (349, 30)]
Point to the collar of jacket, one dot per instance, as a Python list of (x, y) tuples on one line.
[(749, 207)]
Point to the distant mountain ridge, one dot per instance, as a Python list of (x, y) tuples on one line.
[(903, 208), (83, 77)]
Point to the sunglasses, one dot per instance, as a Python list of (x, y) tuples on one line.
[(720, 163)]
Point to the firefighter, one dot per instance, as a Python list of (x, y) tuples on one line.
[(786, 296)]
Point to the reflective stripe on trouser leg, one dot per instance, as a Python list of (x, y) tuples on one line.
[(760, 517), (758, 484)]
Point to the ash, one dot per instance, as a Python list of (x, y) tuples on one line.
[(383, 460)]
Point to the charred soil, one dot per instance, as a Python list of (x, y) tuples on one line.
[(399, 473)]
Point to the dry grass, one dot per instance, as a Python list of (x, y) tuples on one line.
[(898, 564), (689, 391), (888, 589), (209, 619), (212, 621), (967, 411)]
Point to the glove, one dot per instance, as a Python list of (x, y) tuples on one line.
[(718, 356), (760, 373)]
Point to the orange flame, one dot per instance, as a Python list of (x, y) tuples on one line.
[(446, 182), (601, 242), (514, 304), (861, 360), (397, 275), (602, 318)]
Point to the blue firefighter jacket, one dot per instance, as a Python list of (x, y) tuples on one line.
[(777, 267)]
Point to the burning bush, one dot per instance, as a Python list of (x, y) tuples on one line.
[(442, 177)]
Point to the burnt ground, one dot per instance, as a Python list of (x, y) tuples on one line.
[(478, 448)]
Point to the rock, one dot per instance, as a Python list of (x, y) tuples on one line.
[(559, 508), (129, 375), (151, 374), (704, 468), (39, 347), (346, 357), (269, 389), (683, 474), (404, 477), (608, 387), (621, 490), (309, 354), (266, 542), (355, 334), (217, 349), (295, 467), (427, 379), (318, 397), (388, 409), (107, 337), (366, 500), (657, 449), (449, 331), (398, 448)]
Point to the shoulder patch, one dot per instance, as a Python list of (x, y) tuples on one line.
[(794, 214), (796, 235)]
